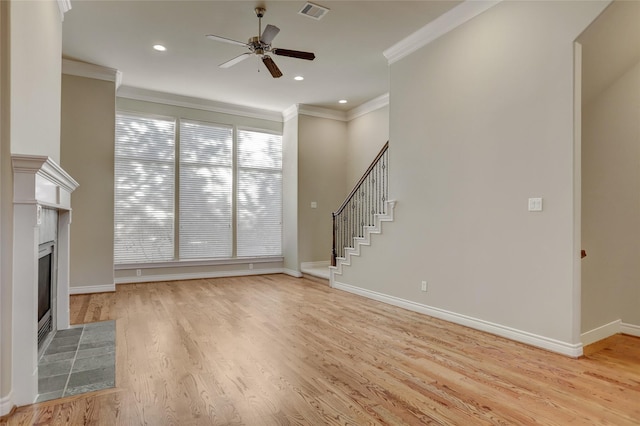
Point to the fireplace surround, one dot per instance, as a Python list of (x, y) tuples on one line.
[(40, 187)]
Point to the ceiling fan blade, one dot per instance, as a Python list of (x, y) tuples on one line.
[(294, 54), (269, 33), (226, 40), (272, 67), (235, 60)]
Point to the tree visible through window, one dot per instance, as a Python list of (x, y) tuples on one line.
[(208, 158)]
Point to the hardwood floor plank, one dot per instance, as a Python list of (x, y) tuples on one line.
[(276, 350)]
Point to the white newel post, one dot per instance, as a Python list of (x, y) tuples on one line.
[(37, 182)]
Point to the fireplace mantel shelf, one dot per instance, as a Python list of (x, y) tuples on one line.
[(39, 180)]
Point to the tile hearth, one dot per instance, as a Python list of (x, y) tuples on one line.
[(78, 360)]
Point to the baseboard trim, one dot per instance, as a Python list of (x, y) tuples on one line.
[(6, 406), (630, 329), (88, 289), (292, 272), (564, 348), (608, 330), (600, 333), (319, 264), (196, 275)]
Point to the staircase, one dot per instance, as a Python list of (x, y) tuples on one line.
[(361, 214), (364, 240)]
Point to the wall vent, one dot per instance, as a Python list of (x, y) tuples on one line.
[(313, 11)]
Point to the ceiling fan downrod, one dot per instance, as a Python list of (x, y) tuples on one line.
[(260, 13)]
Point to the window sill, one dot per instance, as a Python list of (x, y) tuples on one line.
[(200, 262)]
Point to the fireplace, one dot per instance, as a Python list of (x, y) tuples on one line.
[(46, 292), (41, 230)]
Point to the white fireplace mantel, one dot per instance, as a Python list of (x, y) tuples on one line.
[(37, 182)]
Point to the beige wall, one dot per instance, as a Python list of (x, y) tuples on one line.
[(36, 61), (321, 178), (611, 204), (481, 119), (290, 195), (366, 135), (87, 154)]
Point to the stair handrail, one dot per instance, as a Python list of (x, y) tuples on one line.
[(349, 197)]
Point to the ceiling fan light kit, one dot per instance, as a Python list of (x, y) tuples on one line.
[(261, 45)]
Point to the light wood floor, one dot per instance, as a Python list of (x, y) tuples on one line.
[(276, 350)]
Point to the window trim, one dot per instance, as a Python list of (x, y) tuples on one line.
[(199, 262), (234, 260)]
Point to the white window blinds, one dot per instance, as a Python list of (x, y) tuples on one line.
[(190, 190), (259, 198), (144, 189), (206, 174)]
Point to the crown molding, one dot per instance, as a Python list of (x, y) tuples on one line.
[(289, 113), (369, 106), (85, 69), (320, 112), (139, 94), (438, 27), (315, 111), (64, 6)]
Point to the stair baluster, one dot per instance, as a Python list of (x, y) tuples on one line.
[(361, 205)]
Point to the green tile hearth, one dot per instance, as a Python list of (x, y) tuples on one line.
[(78, 360)]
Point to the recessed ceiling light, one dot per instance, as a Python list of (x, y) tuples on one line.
[(342, 101), (298, 78), (159, 47)]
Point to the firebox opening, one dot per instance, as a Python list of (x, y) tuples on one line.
[(46, 275)]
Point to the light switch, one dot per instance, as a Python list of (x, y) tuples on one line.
[(535, 204), (314, 205)]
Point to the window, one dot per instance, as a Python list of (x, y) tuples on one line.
[(206, 174), (220, 169), (144, 193), (259, 194)]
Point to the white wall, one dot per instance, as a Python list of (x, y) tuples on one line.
[(6, 215), (36, 58), (30, 63), (290, 195), (366, 135), (611, 203), (481, 119), (87, 154)]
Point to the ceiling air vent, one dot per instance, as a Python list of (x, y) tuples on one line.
[(313, 11)]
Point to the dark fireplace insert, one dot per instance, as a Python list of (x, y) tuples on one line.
[(45, 288)]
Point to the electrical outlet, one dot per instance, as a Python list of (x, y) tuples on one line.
[(138, 272), (424, 286), (251, 266)]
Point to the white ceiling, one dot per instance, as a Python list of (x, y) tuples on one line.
[(348, 42)]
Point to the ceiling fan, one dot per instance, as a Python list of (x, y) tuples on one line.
[(261, 46)]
